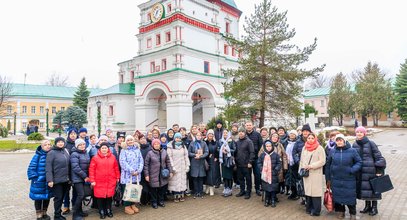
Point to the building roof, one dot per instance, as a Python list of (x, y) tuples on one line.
[(316, 92), (45, 91), (122, 89), (230, 2)]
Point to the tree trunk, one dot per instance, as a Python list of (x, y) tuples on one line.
[(263, 100), (340, 120)]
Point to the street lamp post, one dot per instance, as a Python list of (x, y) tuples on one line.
[(15, 122), (60, 125), (46, 112), (99, 117)]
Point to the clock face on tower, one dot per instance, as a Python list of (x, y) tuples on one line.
[(157, 12)]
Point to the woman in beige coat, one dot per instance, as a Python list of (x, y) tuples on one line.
[(178, 154), (313, 159)]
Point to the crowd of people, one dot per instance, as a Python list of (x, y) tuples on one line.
[(175, 163)]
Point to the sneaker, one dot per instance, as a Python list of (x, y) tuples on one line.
[(242, 193), (247, 196)]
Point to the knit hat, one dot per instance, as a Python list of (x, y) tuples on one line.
[(72, 130), (104, 144), (267, 141), (306, 127), (219, 122), (83, 130), (292, 132), (340, 136), (177, 135), (59, 139), (242, 129), (104, 137), (155, 141), (78, 142), (121, 134), (263, 128), (361, 129), (210, 131), (235, 125)]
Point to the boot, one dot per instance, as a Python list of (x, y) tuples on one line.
[(128, 210), (38, 214), (58, 216), (373, 210), (45, 216), (66, 211), (176, 198), (135, 209), (282, 189), (367, 208), (266, 203), (211, 191), (341, 215), (182, 198), (352, 217), (77, 217), (109, 213), (273, 203), (240, 194), (102, 214)]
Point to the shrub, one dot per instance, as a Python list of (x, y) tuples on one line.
[(3, 131), (321, 139), (35, 137)]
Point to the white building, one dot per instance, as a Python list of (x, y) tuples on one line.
[(177, 72)]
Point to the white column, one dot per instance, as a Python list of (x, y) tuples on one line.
[(209, 111), (179, 112)]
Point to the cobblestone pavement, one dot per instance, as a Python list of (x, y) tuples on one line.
[(15, 204)]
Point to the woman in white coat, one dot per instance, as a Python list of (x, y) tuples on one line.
[(178, 154)]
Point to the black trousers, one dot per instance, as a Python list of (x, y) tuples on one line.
[(80, 192), (198, 184), (60, 191), (228, 183), (235, 179), (245, 179), (157, 194), (257, 175), (269, 196), (341, 208), (190, 182), (313, 204), (41, 205), (104, 204)]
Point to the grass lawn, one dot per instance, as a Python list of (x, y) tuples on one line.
[(11, 145)]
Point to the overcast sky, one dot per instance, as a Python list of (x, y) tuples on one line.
[(88, 38)]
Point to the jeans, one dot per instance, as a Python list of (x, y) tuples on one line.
[(41, 205), (67, 196), (257, 175), (341, 208), (198, 184), (79, 188), (245, 179), (313, 204), (59, 190)]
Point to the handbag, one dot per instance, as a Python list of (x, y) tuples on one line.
[(118, 194), (132, 192), (328, 201), (381, 184), (304, 172), (165, 173), (300, 188), (87, 190)]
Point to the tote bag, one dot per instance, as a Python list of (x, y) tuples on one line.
[(132, 192), (328, 201)]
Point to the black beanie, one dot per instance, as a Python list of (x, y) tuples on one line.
[(59, 139), (306, 127)]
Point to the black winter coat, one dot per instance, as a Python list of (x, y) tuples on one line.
[(213, 174), (218, 134), (69, 144), (245, 153), (198, 165), (276, 166), (342, 167), (284, 141), (80, 161), (372, 163), (57, 168), (297, 149), (257, 141)]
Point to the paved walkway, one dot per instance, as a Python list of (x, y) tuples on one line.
[(15, 204)]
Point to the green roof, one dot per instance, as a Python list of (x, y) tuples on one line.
[(123, 89), (45, 91), (316, 92), (230, 2)]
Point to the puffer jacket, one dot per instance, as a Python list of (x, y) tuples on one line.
[(153, 167), (80, 161), (276, 166), (372, 163), (104, 171), (131, 160), (299, 144), (36, 173), (245, 152), (58, 165), (343, 164)]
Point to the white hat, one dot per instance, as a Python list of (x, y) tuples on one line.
[(292, 132), (78, 142), (341, 136)]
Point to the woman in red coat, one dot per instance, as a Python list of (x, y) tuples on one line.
[(104, 174)]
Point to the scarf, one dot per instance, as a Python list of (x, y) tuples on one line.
[(267, 171), (197, 145), (311, 147), (363, 141), (290, 147), (178, 145), (225, 145)]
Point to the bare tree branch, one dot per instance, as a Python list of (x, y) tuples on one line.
[(57, 80), (5, 92), (320, 82)]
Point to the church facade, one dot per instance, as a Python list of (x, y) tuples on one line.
[(177, 74)]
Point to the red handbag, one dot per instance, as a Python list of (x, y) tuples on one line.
[(328, 201)]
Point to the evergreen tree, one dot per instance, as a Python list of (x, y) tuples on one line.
[(374, 94), (309, 109), (401, 91), (73, 116), (269, 77), (81, 96), (8, 125), (340, 99)]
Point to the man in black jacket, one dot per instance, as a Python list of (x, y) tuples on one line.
[(244, 162), (255, 137)]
